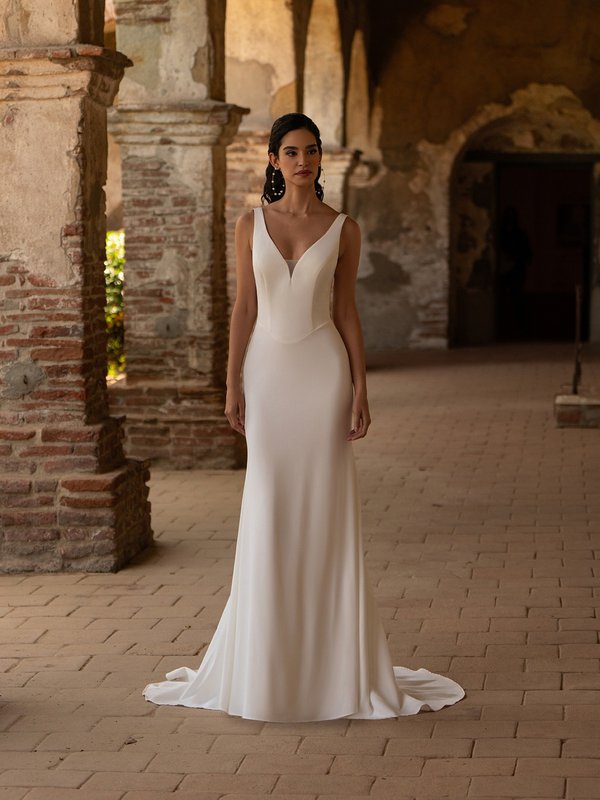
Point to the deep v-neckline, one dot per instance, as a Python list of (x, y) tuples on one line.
[(308, 249)]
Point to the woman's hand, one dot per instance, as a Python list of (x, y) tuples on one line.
[(361, 419), (235, 409)]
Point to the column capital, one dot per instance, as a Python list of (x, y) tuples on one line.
[(338, 159), (205, 122), (47, 73)]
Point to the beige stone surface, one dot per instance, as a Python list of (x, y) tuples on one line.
[(259, 60), (480, 531)]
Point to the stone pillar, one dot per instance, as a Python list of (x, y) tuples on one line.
[(338, 163), (68, 498), (246, 164), (173, 128)]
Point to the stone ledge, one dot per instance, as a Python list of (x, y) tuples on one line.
[(65, 53), (576, 411), (51, 73), (207, 122)]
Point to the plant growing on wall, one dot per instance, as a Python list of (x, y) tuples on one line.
[(113, 277)]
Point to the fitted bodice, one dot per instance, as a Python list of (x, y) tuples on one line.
[(293, 303)]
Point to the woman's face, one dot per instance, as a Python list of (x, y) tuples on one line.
[(298, 157)]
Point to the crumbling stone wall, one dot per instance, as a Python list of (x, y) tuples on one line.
[(435, 71), (450, 69), (172, 127), (68, 497)]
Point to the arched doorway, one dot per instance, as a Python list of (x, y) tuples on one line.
[(521, 199)]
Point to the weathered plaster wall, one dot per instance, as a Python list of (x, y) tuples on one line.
[(453, 69), (259, 60), (434, 74), (324, 72), (36, 24), (458, 57), (172, 49)]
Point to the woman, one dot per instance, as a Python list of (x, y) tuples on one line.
[(300, 638)]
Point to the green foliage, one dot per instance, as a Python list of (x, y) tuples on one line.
[(113, 277)]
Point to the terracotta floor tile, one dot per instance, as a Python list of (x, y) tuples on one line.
[(480, 530)]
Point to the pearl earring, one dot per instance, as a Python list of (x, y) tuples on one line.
[(274, 191)]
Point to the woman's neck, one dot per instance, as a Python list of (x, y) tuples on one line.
[(298, 201)]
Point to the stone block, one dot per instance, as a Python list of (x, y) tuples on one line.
[(577, 411)]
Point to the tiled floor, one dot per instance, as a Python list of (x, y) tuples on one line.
[(482, 530)]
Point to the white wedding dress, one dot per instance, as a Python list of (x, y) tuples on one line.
[(300, 638)]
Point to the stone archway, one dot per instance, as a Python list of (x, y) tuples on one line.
[(555, 134)]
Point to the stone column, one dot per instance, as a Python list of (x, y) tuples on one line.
[(173, 127), (246, 164), (338, 163), (68, 498)]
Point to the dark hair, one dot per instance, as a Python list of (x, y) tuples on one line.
[(274, 187)]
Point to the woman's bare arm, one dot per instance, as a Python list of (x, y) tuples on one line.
[(347, 321), (243, 317)]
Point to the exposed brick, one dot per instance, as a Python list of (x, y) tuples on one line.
[(16, 434), (45, 485), (64, 353), (27, 518), (92, 483), (53, 331), (69, 434), (89, 501), (31, 534), (69, 517), (46, 450), (31, 500), (15, 485), (70, 463), (92, 532)]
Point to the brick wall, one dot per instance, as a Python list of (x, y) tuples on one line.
[(68, 497)]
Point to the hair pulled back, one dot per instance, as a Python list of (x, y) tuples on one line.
[(274, 187)]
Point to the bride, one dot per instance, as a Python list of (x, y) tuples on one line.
[(300, 637)]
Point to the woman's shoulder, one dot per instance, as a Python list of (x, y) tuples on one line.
[(350, 226), (349, 222), (245, 221)]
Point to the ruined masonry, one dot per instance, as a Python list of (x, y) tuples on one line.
[(173, 128), (69, 498)]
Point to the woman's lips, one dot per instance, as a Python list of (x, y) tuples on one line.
[(304, 172)]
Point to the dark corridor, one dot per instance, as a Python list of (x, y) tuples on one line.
[(542, 250)]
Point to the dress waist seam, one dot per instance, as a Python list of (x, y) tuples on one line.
[(294, 341)]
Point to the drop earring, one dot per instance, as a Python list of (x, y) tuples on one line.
[(276, 192), (322, 176)]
